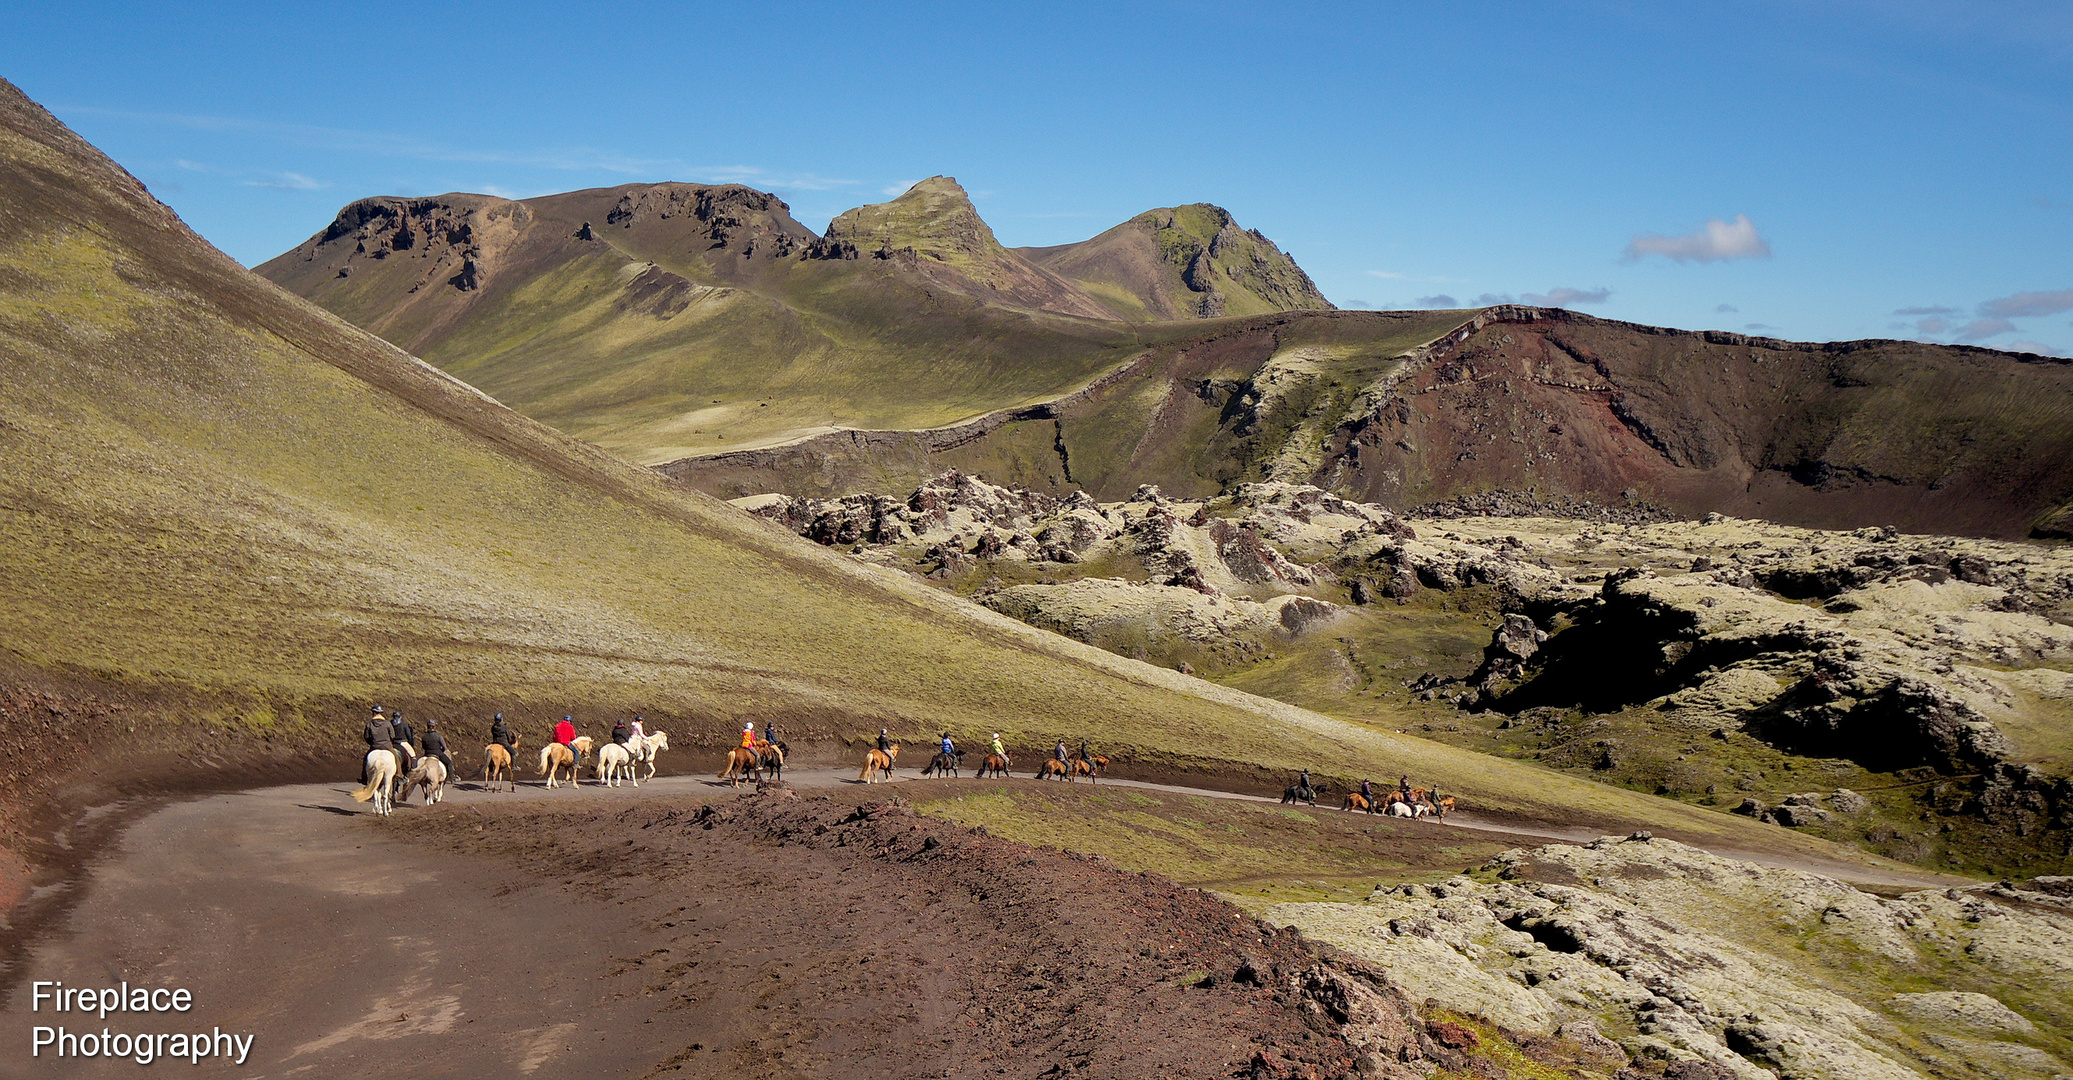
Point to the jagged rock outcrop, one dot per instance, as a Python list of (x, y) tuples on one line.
[(1755, 971)]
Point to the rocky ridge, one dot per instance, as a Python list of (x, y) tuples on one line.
[(1945, 662), (1695, 964)]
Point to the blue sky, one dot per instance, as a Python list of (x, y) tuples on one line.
[(1813, 170)]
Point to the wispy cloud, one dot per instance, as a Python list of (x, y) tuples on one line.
[(1713, 242), (287, 181), (1925, 311), (390, 144), (1560, 296), (1726, 309), (1981, 329), (1758, 326), (899, 189), (1437, 300), (2028, 305), (1356, 304)]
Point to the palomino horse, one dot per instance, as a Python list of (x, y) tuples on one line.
[(1357, 801), (1054, 767), (555, 757), (879, 761), (496, 765), (381, 777), (646, 748), (741, 763), (430, 774), (994, 764), (941, 765), (615, 763)]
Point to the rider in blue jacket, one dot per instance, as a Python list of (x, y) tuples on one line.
[(948, 747)]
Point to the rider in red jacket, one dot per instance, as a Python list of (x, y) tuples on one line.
[(565, 734)]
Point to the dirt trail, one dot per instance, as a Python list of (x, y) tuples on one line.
[(614, 933)]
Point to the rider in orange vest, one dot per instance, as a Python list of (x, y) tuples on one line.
[(748, 736)]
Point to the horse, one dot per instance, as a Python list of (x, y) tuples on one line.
[(1418, 795), (1400, 808), (942, 763), (381, 775), (614, 763), (1299, 793), (430, 774), (1443, 807), (741, 764), (879, 761), (1357, 801), (555, 757), (994, 764), (770, 758), (1054, 767), (646, 748), (1090, 770), (496, 764)]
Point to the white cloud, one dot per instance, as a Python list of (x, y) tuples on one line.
[(1717, 240), (2037, 347), (2028, 305), (1932, 310), (287, 181)]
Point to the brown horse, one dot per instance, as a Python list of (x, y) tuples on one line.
[(995, 765), (1090, 770), (1054, 767), (1357, 801), (1443, 807), (741, 763), (877, 762), (496, 764)]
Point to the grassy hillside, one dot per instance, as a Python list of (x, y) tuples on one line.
[(216, 494), (1180, 262)]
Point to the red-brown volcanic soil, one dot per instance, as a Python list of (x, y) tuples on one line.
[(766, 935)]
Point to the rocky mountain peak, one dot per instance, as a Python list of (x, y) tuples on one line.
[(934, 218)]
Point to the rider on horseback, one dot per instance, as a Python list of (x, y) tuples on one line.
[(435, 746), (1084, 756), (500, 733), (620, 732), (1059, 752), (998, 748), (885, 745), (748, 736), (1367, 791), (378, 738), (949, 747), (565, 734), (640, 726)]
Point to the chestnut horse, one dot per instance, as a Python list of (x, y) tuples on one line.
[(877, 762), (995, 765), (1054, 767)]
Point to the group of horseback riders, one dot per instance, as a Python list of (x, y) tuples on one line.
[(393, 733), (388, 730), (948, 746), (1303, 791)]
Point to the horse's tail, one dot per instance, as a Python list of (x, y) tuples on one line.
[(365, 793), (545, 751)]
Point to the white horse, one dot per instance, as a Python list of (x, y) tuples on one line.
[(615, 762), (429, 774), (381, 774), (1400, 808), (646, 748)]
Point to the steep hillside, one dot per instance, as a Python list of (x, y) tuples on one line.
[(1182, 262), (1410, 408), (229, 521)]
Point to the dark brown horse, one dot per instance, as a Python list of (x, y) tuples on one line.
[(995, 765)]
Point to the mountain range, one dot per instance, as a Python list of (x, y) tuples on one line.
[(703, 330)]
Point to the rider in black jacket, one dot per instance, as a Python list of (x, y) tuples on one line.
[(377, 736), (435, 746), (500, 733), (620, 732)]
